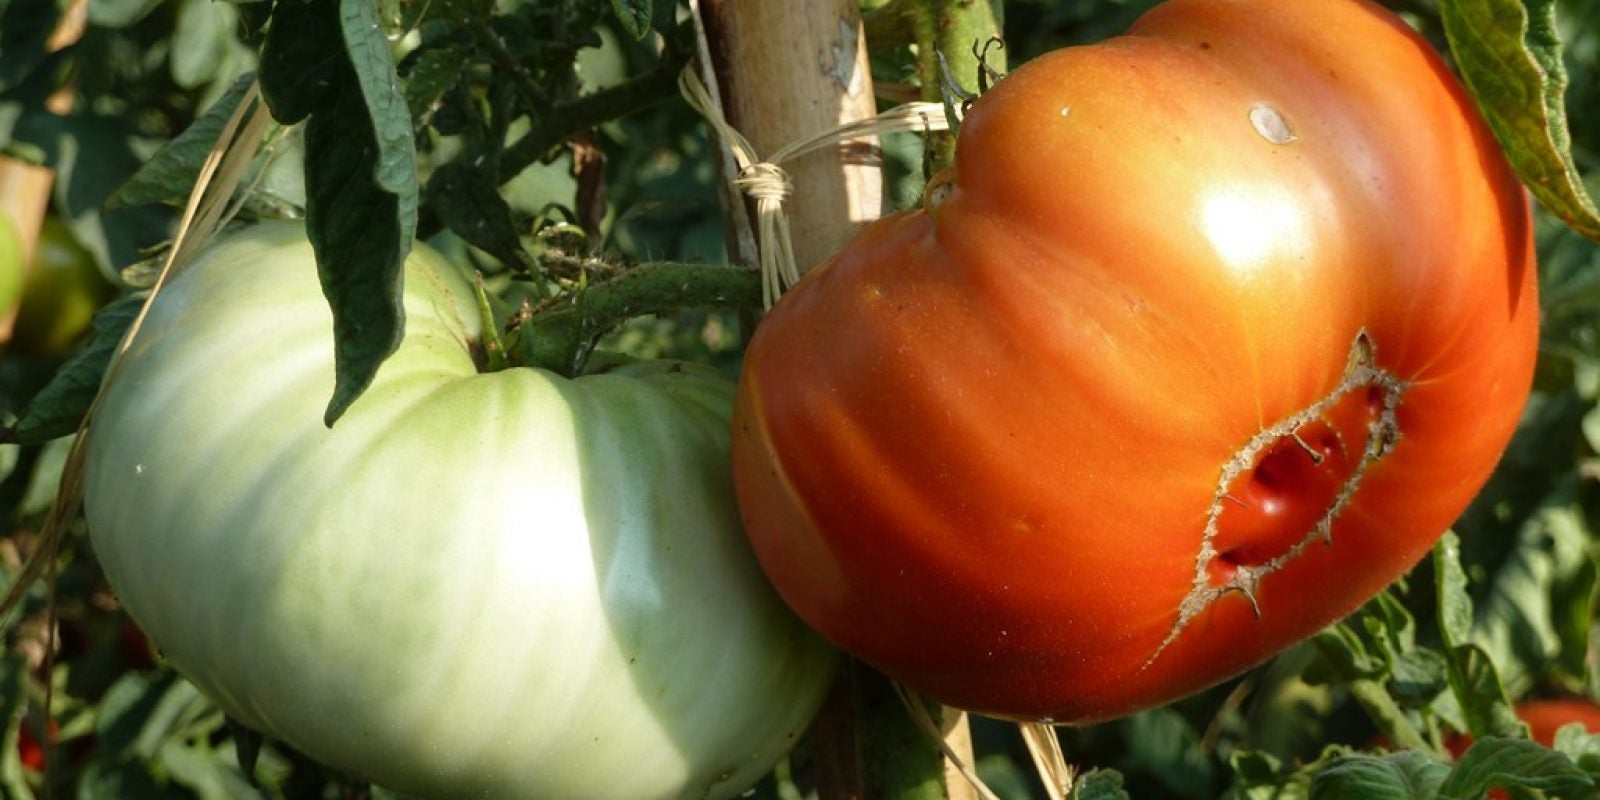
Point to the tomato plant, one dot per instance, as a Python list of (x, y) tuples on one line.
[(545, 575), (1209, 333), (62, 291)]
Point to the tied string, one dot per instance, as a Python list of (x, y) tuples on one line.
[(765, 182)]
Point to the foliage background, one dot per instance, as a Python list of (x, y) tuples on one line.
[(145, 70)]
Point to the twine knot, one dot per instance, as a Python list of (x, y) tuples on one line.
[(765, 182)]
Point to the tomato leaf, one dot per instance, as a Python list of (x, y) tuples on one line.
[(1164, 743), (334, 65), (467, 200), (1099, 784), (1406, 775), (385, 104), (430, 73), (1450, 582), (202, 42), (201, 769), (302, 63), (633, 15), (1478, 692), (169, 175), (119, 13), (59, 407), (1510, 56), (1492, 762), (1538, 611), (25, 25)]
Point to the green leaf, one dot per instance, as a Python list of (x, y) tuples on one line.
[(1539, 609), (634, 16), (1475, 685), (58, 408), (302, 60), (25, 26), (1575, 742), (1164, 743), (373, 62), (361, 242), (119, 13), (467, 200), (170, 174), (1099, 784), (1406, 775), (200, 41), (1510, 56), (1492, 762), (1481, 697), (434, 71), (361, 172), (361, 204), (1455, 605), (202, 771)]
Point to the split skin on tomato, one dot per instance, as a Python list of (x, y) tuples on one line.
[(505, 584), (1209, 333)]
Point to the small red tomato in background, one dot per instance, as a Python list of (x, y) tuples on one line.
[(1544, 718), (30, 751), (1207, 336)]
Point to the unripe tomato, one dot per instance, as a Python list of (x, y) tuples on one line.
[(63, 290), (1209, 333), (506, 584), (10, 266)]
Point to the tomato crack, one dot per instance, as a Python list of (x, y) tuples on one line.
[(1383, 391)]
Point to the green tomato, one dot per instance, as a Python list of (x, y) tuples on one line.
[(507, 584), (63, 290), (10, 266)]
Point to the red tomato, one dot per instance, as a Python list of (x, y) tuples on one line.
[(1544, 718), (1208, 334), (29, 749)]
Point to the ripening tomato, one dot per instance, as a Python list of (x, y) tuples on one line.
[(10, 266), (62, 291), (1207, 335)]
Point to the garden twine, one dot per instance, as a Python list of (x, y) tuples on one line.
[(765, 182)]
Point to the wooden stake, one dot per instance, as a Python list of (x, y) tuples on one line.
[(787, 70)]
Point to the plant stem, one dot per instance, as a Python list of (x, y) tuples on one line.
[(958, 30), (558, 337), (567, 119)]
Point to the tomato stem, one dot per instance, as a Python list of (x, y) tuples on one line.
[(558, 335), (953, 34), (494, 347)]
